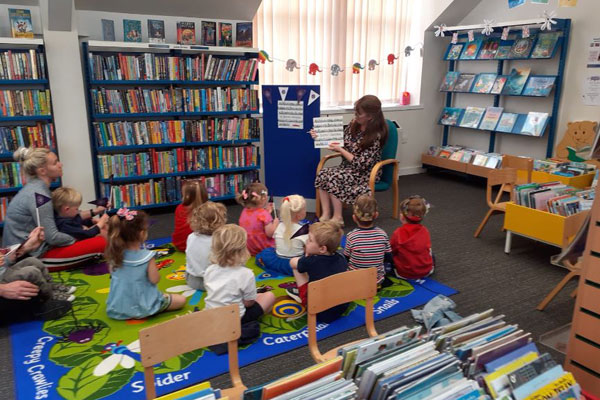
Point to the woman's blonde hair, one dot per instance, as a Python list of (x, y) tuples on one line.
[(122, 232), (229, 246), (365, 208), (209, 216), (289, 207), (193, 194), (31, 159), (252, 195)]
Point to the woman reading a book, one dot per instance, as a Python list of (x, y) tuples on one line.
[(32, 206), (363, 140)]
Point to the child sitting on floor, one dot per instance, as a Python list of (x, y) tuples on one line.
[(411, 243), (193, 194), (133, 292), (78, 224), (204, 220), (277, 260), (367, 246), (256, 217), (320, 261)]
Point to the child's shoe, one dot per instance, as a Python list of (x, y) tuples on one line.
[(59, 287), (62, 296), (294, 293)]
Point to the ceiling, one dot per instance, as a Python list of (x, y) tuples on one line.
[(243, 10)]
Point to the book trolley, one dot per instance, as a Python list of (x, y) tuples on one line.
[(25, 110), (163, 113), (503, 67)]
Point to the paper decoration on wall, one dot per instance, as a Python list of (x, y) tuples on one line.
[(470, 35), (390, 58), (335, 69), (487, 27), (283, 91), (408, 50), (567, 3), (291, 64), (439, 30), (356, 67), (312, 97), (263, 56), (515, 3), (505, 33), (372, 64), (525, 31), (455, 38), (313, 69), (549, 20), (300, 92), (267, 95)]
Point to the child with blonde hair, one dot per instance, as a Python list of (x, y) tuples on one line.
[(133, 292), (193, 194), (78, 224), (256, 217), (229, 281), (204, 220), (367, 246), (277, 260), (411, 243)]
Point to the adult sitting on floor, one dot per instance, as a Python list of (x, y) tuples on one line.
[(59, 250)]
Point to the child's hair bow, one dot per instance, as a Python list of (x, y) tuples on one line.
[(124, 212), (244, 194)]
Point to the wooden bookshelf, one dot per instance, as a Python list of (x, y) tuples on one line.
[(457, 166), (583, 348)]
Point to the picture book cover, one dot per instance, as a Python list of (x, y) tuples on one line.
[(156, 31), (521, 48), (450, 116), (491, 118), (454, 51), (225, 34), (539, 85), (132, 30), (516, 81), (489, 49), (503, 52), (545, 45), (464, 83), (20, 23), (499, 84), (506, 123), (208, 36), (472, 117), (186, 32), (243, 34), (471, 49), (449, 81), (534, 124), (484, 83), (108, 30)]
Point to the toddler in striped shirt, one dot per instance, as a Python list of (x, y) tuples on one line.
[(367, 246)]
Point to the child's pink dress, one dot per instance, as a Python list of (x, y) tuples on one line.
[(253, 220)]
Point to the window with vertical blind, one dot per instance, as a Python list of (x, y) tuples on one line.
[(342, 32)]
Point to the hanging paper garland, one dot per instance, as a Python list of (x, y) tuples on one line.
[(470, 35), (390, 58), (505, 33), (356, 67), (291, 64), (525, 32), (549, 20), (335, 70), (487, 27), (372, 64), (455, 38), (408, 50), (267, 95), (313, 69), (263, 56), (440, 30)]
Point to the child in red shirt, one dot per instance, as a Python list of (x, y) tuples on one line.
[(411, 243), (193, 195), (256, 217)]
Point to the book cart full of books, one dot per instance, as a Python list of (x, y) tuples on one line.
[(25, 110), (164, 113), (503, 69)]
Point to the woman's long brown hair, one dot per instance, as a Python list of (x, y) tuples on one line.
[(371, 106)]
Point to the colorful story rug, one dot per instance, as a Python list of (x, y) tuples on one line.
[(85, 355)]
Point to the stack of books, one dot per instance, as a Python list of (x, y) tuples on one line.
[(467, 155), (562, 167), (136, 100), (39, 135), (554, 197), (208, 158), (220, 99)]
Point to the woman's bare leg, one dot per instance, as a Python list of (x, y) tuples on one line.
[(325, 207)]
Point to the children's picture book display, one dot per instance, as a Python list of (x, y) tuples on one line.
[(539, 86), (507, 122), (491, 118), (499, 84), (464, 82), (132, 30), (156, 31), (484, 83), (225, 34), (521, 47), (449, 81), (208, 31), (454, 51), (545, 45), (330, 131), (516, 81), (186, 32), (489, 49), (20, 23), (472, 117), (108, 30), (243, 34), (451, 116), (503, 52), (534, 124), (471, 49)]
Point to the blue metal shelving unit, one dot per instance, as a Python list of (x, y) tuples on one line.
[(564, 26), (96, 150)]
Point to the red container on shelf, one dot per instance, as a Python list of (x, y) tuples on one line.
[(405, 98)]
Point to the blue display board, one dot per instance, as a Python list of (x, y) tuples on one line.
[(290, 157)]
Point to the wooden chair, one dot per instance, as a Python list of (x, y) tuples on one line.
[(518, 163), (502, 177), (190, 332), (388, 164), (339, 289)]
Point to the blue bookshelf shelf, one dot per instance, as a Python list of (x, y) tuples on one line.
[(15, 189), (26, 118), (104, 149), (171, 114), (12, 82), (174, 203), (164, 82), (123, 179), (218, 113), (492, 94)]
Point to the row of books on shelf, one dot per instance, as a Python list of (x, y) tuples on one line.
[(39, 135), (22, 65), (480, 356), (517, 83), (150, 66), (168, 190), (11, 175), (467, 155), (24, 102), (132, 133), (3, 206), (176, 160), (562, 167), (495, 119), (542, 45), (554, 197), (139, 100)]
